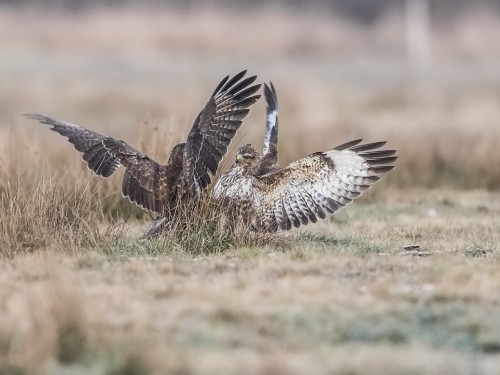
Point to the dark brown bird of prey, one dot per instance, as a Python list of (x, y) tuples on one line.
[(267, 198), (159, 189)]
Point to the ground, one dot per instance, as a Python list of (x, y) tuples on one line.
[(410, 285)]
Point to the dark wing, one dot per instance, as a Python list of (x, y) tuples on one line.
[(98, 159), (143, 177), (144, 181), (215, 127), (314, 186), (271, 135)]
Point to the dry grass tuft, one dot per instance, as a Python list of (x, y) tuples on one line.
[(49, 212), (200, 229), (45, 211)]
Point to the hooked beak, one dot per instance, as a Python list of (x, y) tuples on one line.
[(239, 158)]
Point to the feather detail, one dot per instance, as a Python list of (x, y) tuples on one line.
[(307, 189)]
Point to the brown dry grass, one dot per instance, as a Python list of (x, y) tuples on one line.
[(344, 298), (404, 281)]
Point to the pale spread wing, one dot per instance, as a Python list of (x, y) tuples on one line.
[(317, 185), (215, 127), (104, 155), (271, 134), (88, 142)]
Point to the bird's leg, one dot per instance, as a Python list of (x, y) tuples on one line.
[(157, 228)]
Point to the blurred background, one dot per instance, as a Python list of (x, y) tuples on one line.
[(422, 74)]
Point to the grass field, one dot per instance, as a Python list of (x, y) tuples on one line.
[(405, 285), (404, 281)]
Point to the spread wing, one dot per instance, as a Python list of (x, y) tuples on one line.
[(269, 161), (215, 127), (271, 135), (103, 155), (88, 142), (315, 186)]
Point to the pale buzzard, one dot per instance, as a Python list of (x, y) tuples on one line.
[(267, 198), (156, 188)]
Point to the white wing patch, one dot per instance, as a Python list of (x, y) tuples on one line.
[(270, 123), (271, 135)]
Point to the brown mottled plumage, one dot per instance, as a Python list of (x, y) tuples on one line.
[(303, 191), (159, 188)]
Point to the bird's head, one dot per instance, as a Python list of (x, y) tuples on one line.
[(247, 155)]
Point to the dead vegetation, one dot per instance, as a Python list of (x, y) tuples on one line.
[(349, 289), (46, 215), (98, 301), (405, 280)]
